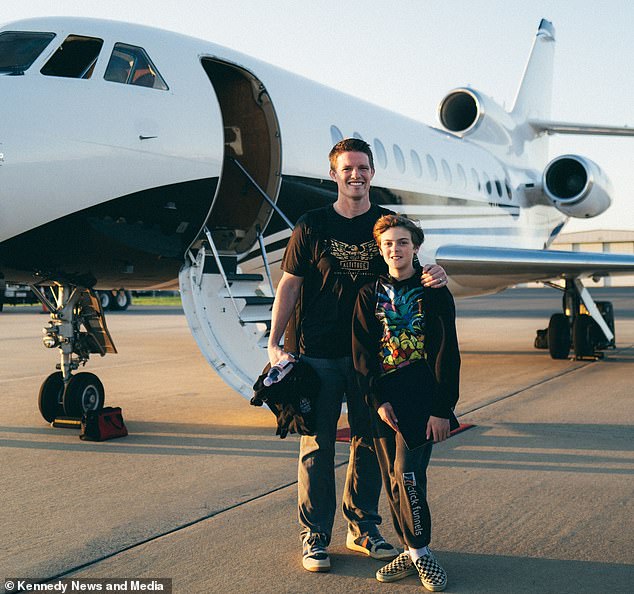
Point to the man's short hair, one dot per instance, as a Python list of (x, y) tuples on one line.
[(388, 221), (350, 144)]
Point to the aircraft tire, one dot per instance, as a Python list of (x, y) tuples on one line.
[(559, 336), (84, 392), (51, 396), (582, 336), (121, 300), (106, 299)]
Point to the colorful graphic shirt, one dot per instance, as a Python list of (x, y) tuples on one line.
[(400, 311)]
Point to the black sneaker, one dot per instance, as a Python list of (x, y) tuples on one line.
[(375, 546), (315, 556), (398, 569), (431, 574)]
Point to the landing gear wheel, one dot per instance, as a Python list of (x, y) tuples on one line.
[(559, 336), (582, 336), (84, 392), (106, 299), (50, 398), (121, 300)]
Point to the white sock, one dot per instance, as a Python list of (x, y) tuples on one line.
[(416, 554)]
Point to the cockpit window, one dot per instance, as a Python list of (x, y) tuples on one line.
[(19, 49), (130, 65), (75, 58)]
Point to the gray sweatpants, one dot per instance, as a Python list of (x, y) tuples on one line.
[(317, 499)]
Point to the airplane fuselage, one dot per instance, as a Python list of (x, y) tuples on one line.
[(109, 184)]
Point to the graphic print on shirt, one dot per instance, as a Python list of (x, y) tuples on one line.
[(353, 259), (400, 310)]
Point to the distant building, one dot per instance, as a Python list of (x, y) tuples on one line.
[(601, 240)]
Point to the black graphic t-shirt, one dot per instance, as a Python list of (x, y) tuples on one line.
[(335, 256)]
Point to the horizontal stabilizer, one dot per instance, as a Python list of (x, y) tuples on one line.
[(490, 268), (552, 127)]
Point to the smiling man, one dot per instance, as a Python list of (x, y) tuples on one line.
[(330, 256)]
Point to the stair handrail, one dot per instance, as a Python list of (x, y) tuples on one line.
[(221, 269), (265, 258), (264, 195)]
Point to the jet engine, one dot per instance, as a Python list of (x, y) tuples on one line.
[(465, 112), (577, 186)]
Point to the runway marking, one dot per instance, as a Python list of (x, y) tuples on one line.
[(171, 531), (480, 406)]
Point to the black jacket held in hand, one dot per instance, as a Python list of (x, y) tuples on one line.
[(291, 400)]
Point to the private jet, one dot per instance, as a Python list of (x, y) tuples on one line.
[(140, 158)]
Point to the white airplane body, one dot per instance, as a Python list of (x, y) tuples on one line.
[(137, 157)]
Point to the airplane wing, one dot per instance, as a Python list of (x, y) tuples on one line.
[(490, 267)]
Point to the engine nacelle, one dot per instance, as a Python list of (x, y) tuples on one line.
[(577, 186), (465, 112)]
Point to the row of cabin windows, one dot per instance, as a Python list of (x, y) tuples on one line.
[(502, 189), (77, 57)]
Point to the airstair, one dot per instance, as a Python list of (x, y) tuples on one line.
[(229, 313)]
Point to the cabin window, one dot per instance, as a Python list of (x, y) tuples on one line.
[(487, 183), (130, 65), (335, 135), (19, 49), (509, 193), (462, 175), (379, 153), (416, 164), (75, 58), (398, 157), (476, 179), (431, 165), (498, 187), (446, 171), (357, 136)]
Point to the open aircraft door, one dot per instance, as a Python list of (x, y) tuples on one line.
[(228, 312)]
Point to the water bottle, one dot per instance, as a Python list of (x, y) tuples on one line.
[(277, 372)]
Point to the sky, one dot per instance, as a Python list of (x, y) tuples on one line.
[(407, 54)]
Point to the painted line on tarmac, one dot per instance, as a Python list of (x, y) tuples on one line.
[(582, 365), (171, 531)]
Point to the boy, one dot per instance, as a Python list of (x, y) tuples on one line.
[(401, 332)]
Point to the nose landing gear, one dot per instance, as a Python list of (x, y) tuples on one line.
[(78, 329)]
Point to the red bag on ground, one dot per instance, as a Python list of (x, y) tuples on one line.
[(100, 425)]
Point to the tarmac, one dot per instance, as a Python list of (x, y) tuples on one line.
[(536, 497)]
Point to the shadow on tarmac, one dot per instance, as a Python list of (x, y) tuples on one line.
[(164, 439)]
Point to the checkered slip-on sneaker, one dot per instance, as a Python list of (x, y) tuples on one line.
[(398, 569), (375, 546), (431, 574), (314, 554)]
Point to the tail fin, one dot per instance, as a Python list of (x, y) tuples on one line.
[(534, 96), (533, 99)]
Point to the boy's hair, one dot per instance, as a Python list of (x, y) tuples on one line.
[(388, 221), (350, 144)]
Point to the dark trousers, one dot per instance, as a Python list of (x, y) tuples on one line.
[(405, 479), (317, 498)]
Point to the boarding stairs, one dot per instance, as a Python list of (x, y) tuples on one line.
[(229, 313)]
